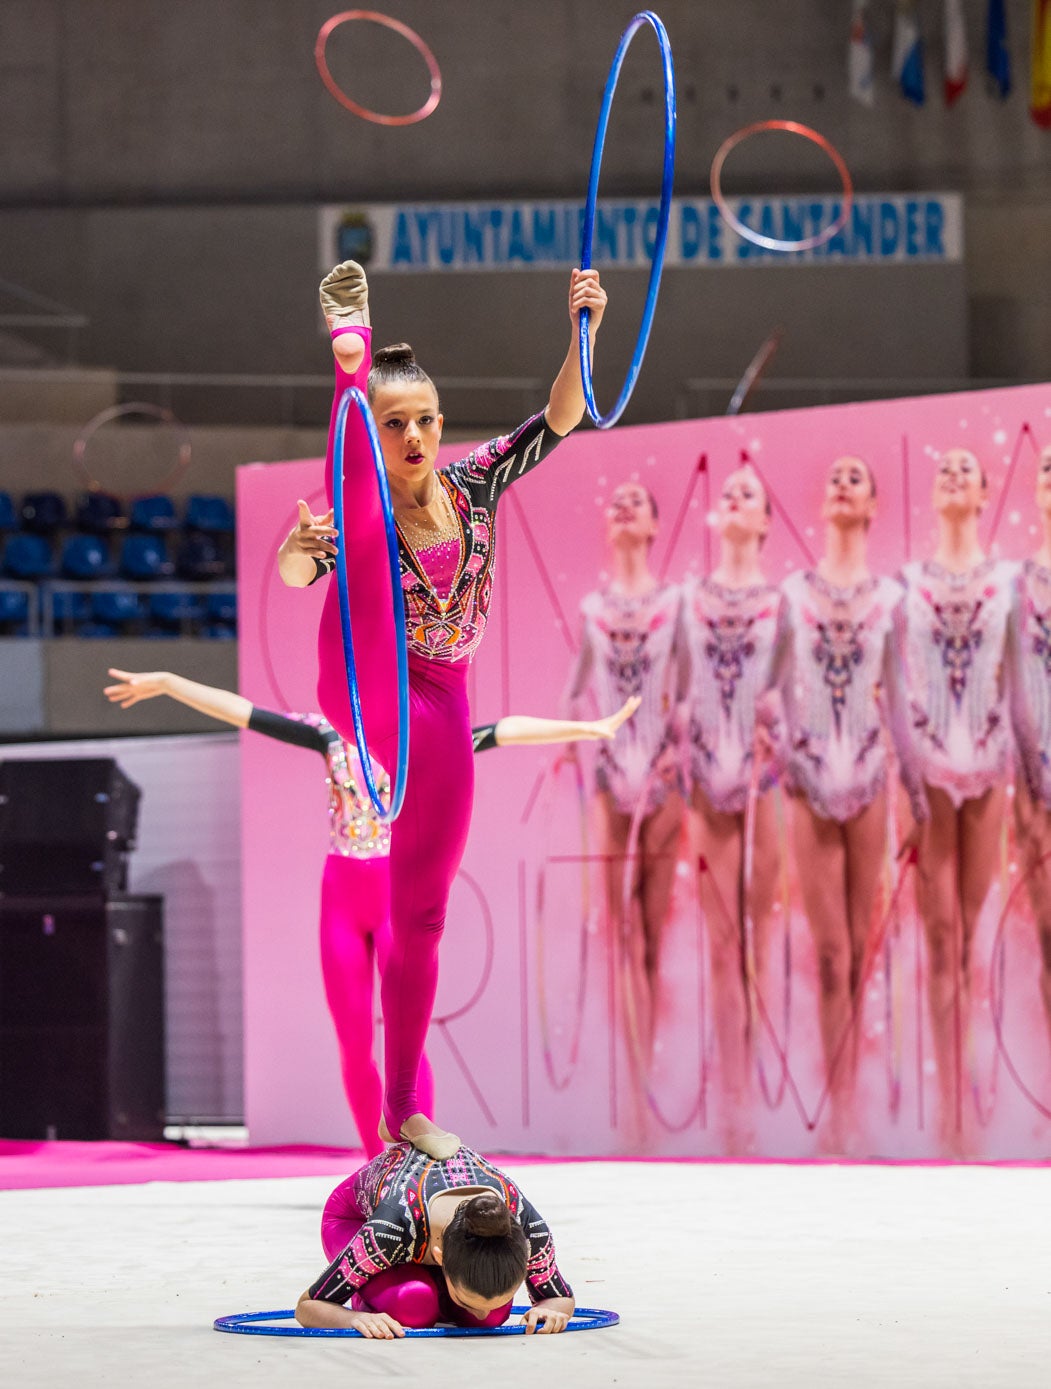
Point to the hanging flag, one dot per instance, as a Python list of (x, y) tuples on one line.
[(955, 51), (860, 63), (1040, 85), (907, 56), (997, 54)]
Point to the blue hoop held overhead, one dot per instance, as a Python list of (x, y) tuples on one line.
[(352, 396), (663, 216), (261, 1324)]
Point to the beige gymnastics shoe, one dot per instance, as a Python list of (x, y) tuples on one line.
[(344, 296)]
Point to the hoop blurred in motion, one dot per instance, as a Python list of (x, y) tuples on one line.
[(364, 112)]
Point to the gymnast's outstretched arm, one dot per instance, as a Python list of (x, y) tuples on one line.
[(134, 686), (524, 729)]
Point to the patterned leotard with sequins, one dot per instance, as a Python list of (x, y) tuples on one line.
[(730, 636), (392, 1194), (633, 646), (953, 646), (1029, 677), (834, 650), (448, 588)]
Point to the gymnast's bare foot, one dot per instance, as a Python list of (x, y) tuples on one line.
[(429, 1138), (344, 296)]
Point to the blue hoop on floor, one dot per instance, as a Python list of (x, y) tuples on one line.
[(397, 793), (663, 216), (249, 1324)]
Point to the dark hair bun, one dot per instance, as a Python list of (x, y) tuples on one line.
[(487, 1217), (397, 354)]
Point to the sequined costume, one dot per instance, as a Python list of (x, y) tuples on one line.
[(391, 1196), (1029, 677), (730, 636), (953, 645), (835, 648), (633, 646), (429, 838)]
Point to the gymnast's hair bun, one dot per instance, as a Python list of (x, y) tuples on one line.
[(398, 354), (487, 1217)]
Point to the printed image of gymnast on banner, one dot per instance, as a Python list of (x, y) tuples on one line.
[(802, 903)]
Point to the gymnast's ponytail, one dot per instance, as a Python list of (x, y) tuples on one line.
[(396, 366), (484, 1248)]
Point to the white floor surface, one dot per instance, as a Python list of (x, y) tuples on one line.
[(724, 1275)]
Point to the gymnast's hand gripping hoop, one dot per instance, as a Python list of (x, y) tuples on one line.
[(660, 239), (352, 396)]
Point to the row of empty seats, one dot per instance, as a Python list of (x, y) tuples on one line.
[(95, 610), (100, 513), (140, 557)]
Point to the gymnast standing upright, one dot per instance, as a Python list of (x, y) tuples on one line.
[(446, 542)]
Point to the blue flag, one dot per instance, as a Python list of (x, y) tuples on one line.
[(997, 54), (907, 54)]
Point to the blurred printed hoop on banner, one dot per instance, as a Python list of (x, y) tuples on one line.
[(772, 243), (179, 433), (421, 48)]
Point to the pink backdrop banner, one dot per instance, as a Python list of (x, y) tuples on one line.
[(524, 1054)]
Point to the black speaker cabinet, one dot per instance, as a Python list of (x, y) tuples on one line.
[(66, 825), (82, 1018)]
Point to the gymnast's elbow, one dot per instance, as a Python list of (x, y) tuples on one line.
[(306, 1311)]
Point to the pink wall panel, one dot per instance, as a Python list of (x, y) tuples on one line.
[(524, 1055)]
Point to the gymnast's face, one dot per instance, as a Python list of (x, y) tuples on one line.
[(409, 424), (742, 510), (1043, 480), (479, 1307), (959, 487), (629, 516), (850, 496)]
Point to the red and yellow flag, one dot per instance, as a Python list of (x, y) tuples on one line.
[(1040, 77)]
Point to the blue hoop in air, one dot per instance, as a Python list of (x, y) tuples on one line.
[(663, 216), (352, 396), (261, 1324)]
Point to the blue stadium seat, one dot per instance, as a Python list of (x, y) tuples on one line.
[(100, 513), (153, 514), (145, 557), (44, 512), (69, 609), (213, 515), (116, 606), (8, 515), (86, 557), (28, 557), (97, 629), (175, 609), (221, 607), (199, 558), (219, 631), (14, 613)]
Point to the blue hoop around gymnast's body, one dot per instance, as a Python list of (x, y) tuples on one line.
[(352, 396), (249, 1324), (663, 216)]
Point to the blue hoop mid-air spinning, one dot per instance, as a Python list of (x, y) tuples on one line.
[(352, 396), (663, 216)]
